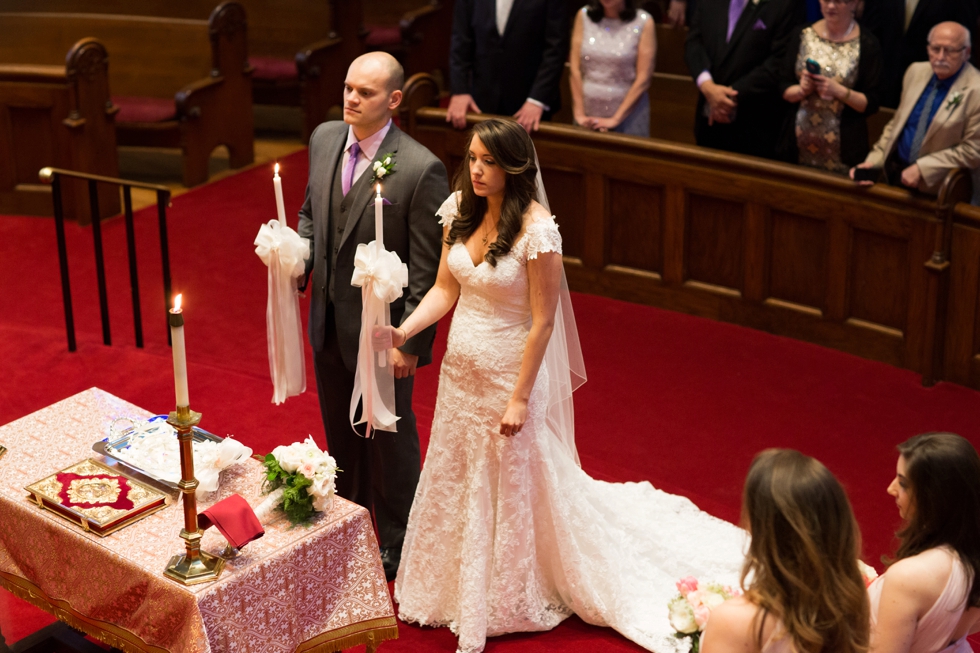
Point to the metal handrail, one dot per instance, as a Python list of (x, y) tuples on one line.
[(53, 176)]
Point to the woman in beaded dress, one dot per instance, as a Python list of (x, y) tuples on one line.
[(829, 130), (612, 58), (507, 532)]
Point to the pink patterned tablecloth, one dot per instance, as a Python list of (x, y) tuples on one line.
[(315, 588)]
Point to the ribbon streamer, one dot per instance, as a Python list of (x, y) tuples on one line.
[(284, 252), (380, 275)]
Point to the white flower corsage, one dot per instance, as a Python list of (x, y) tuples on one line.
[(383, 167), (954, 100)]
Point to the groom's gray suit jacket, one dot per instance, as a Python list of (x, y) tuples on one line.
[(416, 188)]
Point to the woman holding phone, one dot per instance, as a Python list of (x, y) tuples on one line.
[(832, 72)]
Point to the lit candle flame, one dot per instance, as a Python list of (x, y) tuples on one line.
[(277, 169), (177, 303)]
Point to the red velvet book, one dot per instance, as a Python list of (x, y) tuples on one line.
[(96, 497)]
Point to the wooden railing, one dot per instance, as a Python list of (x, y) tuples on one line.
[(882, 272)]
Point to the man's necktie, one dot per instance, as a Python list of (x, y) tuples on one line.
[(920, 129), (735, 8), (348, 180)]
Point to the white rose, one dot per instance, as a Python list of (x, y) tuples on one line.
[(712, 599), (681, 616), (322, 504), (388, 161), (287, 457), (380, 172), (377, 164)]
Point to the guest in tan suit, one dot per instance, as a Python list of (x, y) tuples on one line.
[(937, 125)]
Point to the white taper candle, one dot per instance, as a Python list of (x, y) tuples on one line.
[(280, 207), (180, 353)]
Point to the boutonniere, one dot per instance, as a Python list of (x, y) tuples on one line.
[(954, 100), (383, 167)]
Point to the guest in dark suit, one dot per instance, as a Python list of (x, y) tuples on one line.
[(734, 50), (507, 57), (904, 37), (380, 473)]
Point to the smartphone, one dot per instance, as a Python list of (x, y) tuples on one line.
[(866, 174), (812, 67)]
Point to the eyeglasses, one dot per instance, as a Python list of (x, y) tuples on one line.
[(942, 49)]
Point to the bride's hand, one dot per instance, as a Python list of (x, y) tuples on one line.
[(514, 418), (385, 338)]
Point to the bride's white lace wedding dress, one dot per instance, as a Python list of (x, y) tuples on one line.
[(510, 534)]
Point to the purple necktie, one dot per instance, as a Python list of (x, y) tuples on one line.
[(735, 8), (348, 180)]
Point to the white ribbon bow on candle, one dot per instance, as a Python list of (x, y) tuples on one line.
[(284, 252), (380, 275)]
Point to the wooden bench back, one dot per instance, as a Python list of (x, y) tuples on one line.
[(58, 116), (277, 29), (153, 57)]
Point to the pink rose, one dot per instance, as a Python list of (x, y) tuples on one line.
[(308, 469), (687, 585), (701, 614)]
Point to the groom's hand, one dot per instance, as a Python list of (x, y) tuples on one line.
[(403, 364)]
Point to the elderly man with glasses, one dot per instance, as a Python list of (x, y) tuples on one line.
[(937, 124)]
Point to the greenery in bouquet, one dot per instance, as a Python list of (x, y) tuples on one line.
[(300, 478), (690, 609)]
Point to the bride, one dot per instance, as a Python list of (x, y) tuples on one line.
[(507, 532)]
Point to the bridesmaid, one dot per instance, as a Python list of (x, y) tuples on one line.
[(611, 61), (803, 590), (929, 598)]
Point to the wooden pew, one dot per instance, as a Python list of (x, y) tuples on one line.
[(61, 116), (180, 83), (294, 46), (776, 247)]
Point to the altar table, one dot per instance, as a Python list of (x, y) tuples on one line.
[(308, 589)]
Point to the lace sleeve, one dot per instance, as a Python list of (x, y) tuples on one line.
[(543, 236), (449, 210)]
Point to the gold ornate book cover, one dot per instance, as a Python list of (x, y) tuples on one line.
[(96, 497)]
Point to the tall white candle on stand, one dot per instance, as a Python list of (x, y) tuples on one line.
[(280, 207), (180, 353), (379, 229)]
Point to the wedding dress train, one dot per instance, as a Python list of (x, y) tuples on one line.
[(510, 534)]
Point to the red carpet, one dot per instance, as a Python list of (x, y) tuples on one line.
[(686, 404)]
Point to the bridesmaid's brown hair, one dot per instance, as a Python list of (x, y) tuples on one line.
[(802, 563)]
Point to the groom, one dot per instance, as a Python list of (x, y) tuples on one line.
[(379, 473)]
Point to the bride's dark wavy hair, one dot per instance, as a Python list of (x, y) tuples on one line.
[(943, 471), (802, 563), (513, 151)]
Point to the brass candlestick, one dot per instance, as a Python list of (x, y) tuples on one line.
[(194, 566)]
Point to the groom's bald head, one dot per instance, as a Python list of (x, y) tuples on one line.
[(372, 92), (380, 65)]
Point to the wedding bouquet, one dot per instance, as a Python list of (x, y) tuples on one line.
[(867, 572), (690, 609), (301, 478)]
